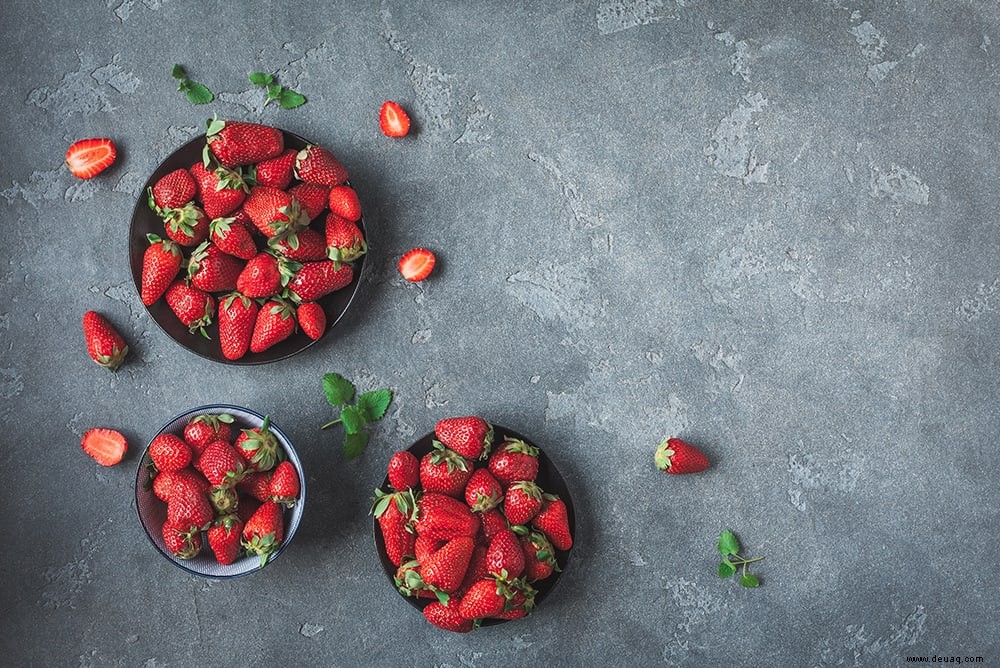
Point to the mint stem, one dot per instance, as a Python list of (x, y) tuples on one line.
[(337, 421)]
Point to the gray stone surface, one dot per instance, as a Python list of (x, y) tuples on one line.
[(768, 227)]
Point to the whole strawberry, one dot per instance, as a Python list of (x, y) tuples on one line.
[(181, 541), (553, 521), (221, 465), (445, 569), (471, 437), (424, 547), (277, 172), (344, 202), (539, 555), (285, 484), (189, 508), (514, 460), (166, 481), (677, 456), (221, 190), (493, 522), (312, 320), (404, 471), (483, 492), (237, 317), (257, 485), (187, 226), (505, 558), (104, 344), (312, 198), (306, 245), (523, 501), (160, 264), (192, 306), (444, 471), (478, 570), (409, 582), (205, 428), (169, 453), (344, 241), (274, 212), (232, 237), (446, 616), (318, 279), (315, 164), (173, 190), (521, 602), (275, 323), (443, 517), (263, 276), (236, 143), (264, 532), (259, 447), (393, 514), (486, 598), (211, 270), (224, 538)]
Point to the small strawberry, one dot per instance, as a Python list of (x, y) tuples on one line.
[(306, 245), (539, 555), (505, 558), (318, 279), (416, 264), (523, 501), (277, 172), (107, 447), (224, 499), (344, 241), (160, 264), (275, 323), (553, 521), (221, 190), (192, 306), (181, 541), (447, 617), (259, 447), (514, 460), (174, 190), (443, 517), (404, 471), (344, 202), (677, 456), (312, 319), (471, 437), (188, 225), (312, 198), (189, 508), (493, 522), (203, 429), (393, 512), (87, 158), (211, 270), (424, 547), (393, 120), (257, 485), (104, 344), (444, 471), (285, 484), (169, 453), (235, 143), (232, 237), (315, 164), (409, 581), (224, 538), (445, 569), (237, 316), (263, 276), (263, 533), (483, 492), (486, 598), (274, 212), (166, 481), (221, 465)]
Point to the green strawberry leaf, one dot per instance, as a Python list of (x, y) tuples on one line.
[(260, 78), (353, 419), (728, 544), (726, 569), (354, 444), (289, 99), (375, 403), (198, 94), (338, 389), (750, 581), (178, 72)]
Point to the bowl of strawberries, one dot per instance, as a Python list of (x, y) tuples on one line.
[(247, 244), (220, 491), (473, 524)]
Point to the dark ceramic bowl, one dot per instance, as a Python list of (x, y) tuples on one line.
[(145, 221), (548, 479)]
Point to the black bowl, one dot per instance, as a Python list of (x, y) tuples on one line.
[(548, 479), (145, 221)]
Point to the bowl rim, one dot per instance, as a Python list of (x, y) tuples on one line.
[(299, 503)]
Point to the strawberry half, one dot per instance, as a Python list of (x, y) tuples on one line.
[(417, 264), (107, 447), (89, 157), (393, 120)]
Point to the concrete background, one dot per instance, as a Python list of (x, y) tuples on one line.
[(770, 228)]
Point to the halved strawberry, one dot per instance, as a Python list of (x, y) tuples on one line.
[(393, 120), (107, 447), (417, 264), (89, 157)]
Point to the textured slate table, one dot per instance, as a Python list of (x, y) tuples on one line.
[(772, 230)]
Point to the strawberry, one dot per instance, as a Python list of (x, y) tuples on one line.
[(523, 501), (677, 456), (443, 517), (259, 447), (393, 512), (224, 538), (188, 225), (477, 570), (444, 471), (174, 190), (211, 270), (232, 237), (505, 558), (486, 598), (87, 158), (169, 453), (104, 344), (514, 460), (344, 202), (553, 521), (483, 492), (192, 306), (393, 120), (160, 264), (221, 190), (189, 508), (318, 279), (275, 323), (539, 555), (416, 264), (344, 241), (263, 276), (520, 603), (404, 471), (447, 616), (312, 198), (235, 143), (493, 522), (312, 319), (409, 581), (315, 164), (471, 437), (257, 484), (166, 481), (221, 465), (285, 484), (203, 429), (181, 541), (276, 172), (445, 569), (224, 499), (248, 506), (274, 212), (306, 245), (424, 547), (107, 447), (237, 316), (263, 533)]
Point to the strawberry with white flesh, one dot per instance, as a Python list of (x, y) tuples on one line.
[(193, 307), (315, 164), (344, 240), (315, 280), (442, 517), (221, 190), (104, 344), (471, 437), (393, 513), (676, 456), (553, 521), (445, 569), (522, 502), (393, 120), (232, 237), (160, 264), (417, 264), (107, 447), (236, 143), (182, 542), (237, 317), (285, 484), (275, 323), (87, 158), (264, 531), (174, 190), (259, 447), (211, 270)]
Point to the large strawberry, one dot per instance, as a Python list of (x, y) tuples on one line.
[(205, 428), (235, 143), (471, 437), (514, 460), (505, 558), (259, 447), (181, 541), (224, 538), (221, 465), (445, 569), (275, 323), (211, 270), (263, 533), (169, 453), (486, 598), (443, 517), (318, 279), (274, 212), (285, 484), (404, 471), (221, 190), (232, 237), (165, 482), (424, 547), (276, 172), (237, 317), (104, 344), (189, 508), (264, 275), (315, 164), (188, 225), (174, 190), (539, 555), (393, 514), (523, 501), (677, 456), (160, 264), (192, 306), (344, 202), (344, 241), (444, 471), (446, 616), (312, 319), (483, 492), (553, 521), (306, 245), (312, 198)]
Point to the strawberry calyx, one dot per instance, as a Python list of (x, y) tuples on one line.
[(183, 219), (264, 546), (444, 455), (213, 126), (167, 245), (227, 303), (517, 445), (664, 455), (223, 498), (405, 502), (198, 256), (528, 488), (260, 446)]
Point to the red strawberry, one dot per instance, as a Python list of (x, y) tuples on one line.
[(274, 212), (514, 460), (203, 429), (211, 270), (187, 225), (315, 164), (263, 276), (318, 279), (87, 158), (181, 541), (447, 617), (275, 323), (277, 172), (416, 264), (523, 501), (493, 523), (235, 143), (409, 581), (189, 508), (424, 547), (344, 241), (445, 569), (393, 512), (237, 317), (224, 538), (505, 558), (221, 465), (553, 521), (166, 481), (312, 320), (444, 471), (344, 202), (477, 570), (285, 484), (443, 517), (104, 344), (677, 456), (174, 190), (263, 533), (192, 306), (107, 447), (312, 198), (404, 471), (306, 245), (539, 555), (393, 120), (160, 264), (486, 598), (471, 437), (248, 506), (258, 447), (257, 485), (169, 453), (232, 237), (520, 603), (224, 499), (483, 492), (221, 190)]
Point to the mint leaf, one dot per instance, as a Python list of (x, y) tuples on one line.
[(726, 569), (353, 419), (260, 78), (375, 403), (338, 389), (728, 544), (354, 444), (749, 581), (198, 94), (289, 99), (178, 72), (273, 93)]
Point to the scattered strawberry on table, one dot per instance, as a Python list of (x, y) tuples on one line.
[(87, 158), (417, 264), (677, 456), (393, 120), (104, 344), (471, 541), (107, 447)]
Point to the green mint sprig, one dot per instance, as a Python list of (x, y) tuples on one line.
[(196, 93), (286, 97), (370, 407), (732, 561)]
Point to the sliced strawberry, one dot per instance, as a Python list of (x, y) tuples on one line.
[(89, 157), (393, 120), (107, 447), (417, 264)]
